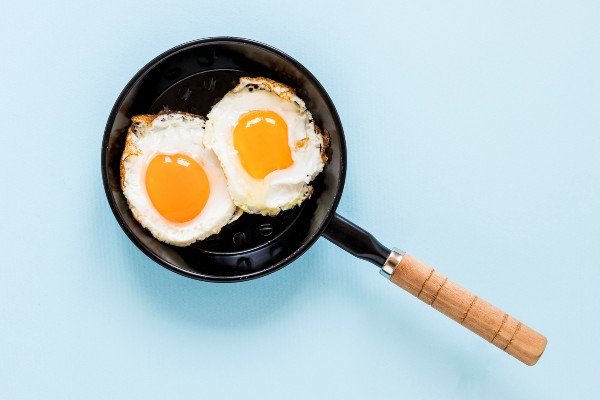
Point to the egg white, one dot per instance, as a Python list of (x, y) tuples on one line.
[(172, 133), (281, 189)]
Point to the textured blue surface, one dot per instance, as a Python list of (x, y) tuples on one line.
[(474, 142)]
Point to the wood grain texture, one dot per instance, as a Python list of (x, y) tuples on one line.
[(474, 313)]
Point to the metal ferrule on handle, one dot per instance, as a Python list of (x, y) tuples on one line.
[(391, 263)]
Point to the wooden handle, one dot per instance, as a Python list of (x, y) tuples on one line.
[(474, 313)]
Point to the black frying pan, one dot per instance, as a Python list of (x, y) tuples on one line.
[(193, 77)]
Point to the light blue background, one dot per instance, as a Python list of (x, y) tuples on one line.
[(474, 142)]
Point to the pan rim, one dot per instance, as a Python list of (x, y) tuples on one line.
[(308, 241)]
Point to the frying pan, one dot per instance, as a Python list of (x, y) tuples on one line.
[(193, 77)]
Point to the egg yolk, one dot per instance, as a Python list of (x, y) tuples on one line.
[(177, 186), (261, 139)]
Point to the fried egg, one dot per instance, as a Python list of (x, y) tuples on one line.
[(174, 186), (268, 145)]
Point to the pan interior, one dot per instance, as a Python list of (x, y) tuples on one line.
[(192, 78)]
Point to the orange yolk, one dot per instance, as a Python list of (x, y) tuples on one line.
[(261, 139), (177, 186)]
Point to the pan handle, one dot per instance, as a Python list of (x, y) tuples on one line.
[(474, 313)]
